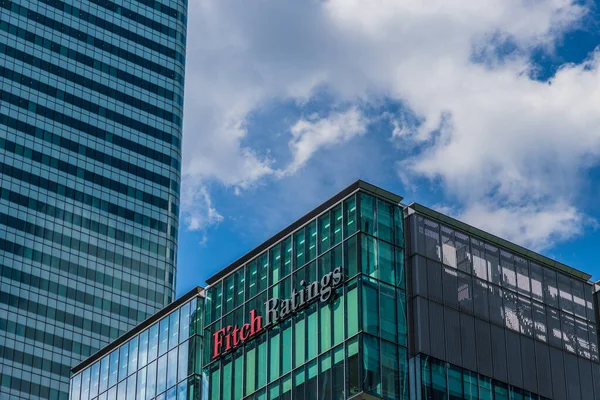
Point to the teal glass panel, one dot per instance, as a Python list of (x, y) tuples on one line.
[(398, 227), (368, 214), (389, 328), (274, 391), (370, 306), (229, 287), (299, 378), (400, 271), (286, 346), (339, 317), (311, 237), (353, 313), (337, 224), (500, 391), (385, 221), (261, 364), (286, 387), (311, 378), (390, 373), (286, 257), (324, 232), (312, 331), (275, 272), (485, 388), (369, 259), (195, 355), (387, 266), (351, 256), (350, 224), (438, 379), (353, 367), (337, 374), (274, 353), (325, 331), (403, 378), (455, 383), (263, 266), (251, 279), (470, 385), (239, 278), (516, 394), (325, 387), (250, 368), (226, 367), (371, 365), (238, 374), (299, 340), (402, 322), (182, 390), (215, 382), (426, 386), (299, 248)]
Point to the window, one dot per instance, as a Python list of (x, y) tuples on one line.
[(369, 256), (350, 216), (385, 221), (367, 214), (389, 371), (370, 306)]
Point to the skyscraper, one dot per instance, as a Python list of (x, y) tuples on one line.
[(91, 103)]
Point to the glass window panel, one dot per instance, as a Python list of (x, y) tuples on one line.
[(324, 231), (537, 279), (299, 248), (151, 380), (593, 342), (76, 387), (95, 376), (564, 293), (568, 328), (583, 339), (389, 328), (123, 360), (239, 287), (438, 379), (492, 258), (432, 240), (465, 292), (275, 264), (523, 283), (497, 312), (370, 307), (114, 368), (539, 318), (589, 301), (143, 347), (387, 267), (550, 288), (385, 221), (455, 383), (299, 339), (229, 286), (337, 224), (286, 387), (485, 388), (426, 388), (141, 384), (227, 384), (353, 367), (337, 374), (325, 331), (325, 376), (311, 237), (351, 256), (367, 214), (312, 331), (350, 216), (299, 384), (251, 279), (449, 247), (311, 378), (163, 344), (182, 369), (250, 368), (371, 365), (131, 387), (182, 391), (262, 361), (339, 317), (104, 373), (402, 321), (161, 380), (389, 371), (274, 353), (463, 253), (352, 308), (122, 390), (578, 298), (133, 355), (554, 330), (184, 322), (215, 383), (286, 345), (479, 263), (85, 384), (525, 316), (470, 391), (369, 256), (509, 274), (500, 391), (400, 274), (398, 227), (511, 319)]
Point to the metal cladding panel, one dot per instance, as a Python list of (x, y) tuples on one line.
[(418, 273), (513, 355), (499, 353), (434, 280), (450, 284), (544, 371), (453, 343), (586, 379), (557, 366), (421, 325), (437, 331), (468, 342), (529, 364), (484, 347), (572, 375)]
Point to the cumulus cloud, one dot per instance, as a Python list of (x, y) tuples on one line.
[(478, 119)]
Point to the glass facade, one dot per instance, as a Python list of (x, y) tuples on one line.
[(353, 343), (91, 104), (427, 309), (162, 361)]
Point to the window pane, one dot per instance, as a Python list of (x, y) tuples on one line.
[(161, 380), (299, 384), (353, 372), (339, 317), (438, 379), (389, 370), (537, 279), (250, 367), (367, 214), (352, 307), (324, 326), (311, 237), (337, 223), (455, 384), (275, 264), (299, 340), (523, 284), (141, 383), (350, 216), (133, 355), (104, 371), (432, 240), (385, 221), (163, 337), (387, 271), (227, 384), (95, 376), (539, 318), (324, 232), (550, 288), (325, 376), (448, 247), (312, 331), (151, 380), (369, 256), (123, 361), (182, 369), (299, 248), (184, 322), (274, 353), (370, 307), (371, 371), (286, 346), (338, 392), (351, 256), (389, 329)]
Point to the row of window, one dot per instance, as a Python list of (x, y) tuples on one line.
[(80, 14), (100, 44), (139, 18), (157, 348), (82, 246), (362, 363), (381, 259), (58, 263), (30, 387), (165, 9), (89, 61), (84, 174), (88, 152), (76, 219), (81, 197), (34, 361), (42, 336), (503, 268), (443, 381)]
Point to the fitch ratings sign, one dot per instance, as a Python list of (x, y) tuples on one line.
[(276, 310)]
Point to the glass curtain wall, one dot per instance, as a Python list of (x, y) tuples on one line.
[(333, 350)]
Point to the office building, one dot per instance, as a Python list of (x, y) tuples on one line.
[(91, 97), (367, 298)]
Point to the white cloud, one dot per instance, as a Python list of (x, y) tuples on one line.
[(488, 131), (199, 212)]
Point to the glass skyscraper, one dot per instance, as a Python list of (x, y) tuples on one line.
[(91, 103)]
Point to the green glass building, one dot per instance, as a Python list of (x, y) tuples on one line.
[(91, 102), (367, 298)]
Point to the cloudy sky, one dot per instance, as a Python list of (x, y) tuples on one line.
[(487, 110)]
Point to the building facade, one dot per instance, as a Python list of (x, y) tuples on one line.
[(367, 298), (91, 104)]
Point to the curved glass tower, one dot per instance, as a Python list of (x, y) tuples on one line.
[(91, 103)]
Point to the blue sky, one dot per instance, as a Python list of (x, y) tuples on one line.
[(488, 111)]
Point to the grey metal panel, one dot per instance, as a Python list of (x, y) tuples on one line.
[(513, 356), (437, 330), (529, 364), (450, 284), (498, 353), (453, 343), (544, 369), (572, 375), (585, 379), (468, 342), (434, 280), (559, 387), (484, 347), (418, 272), (421, 325)]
